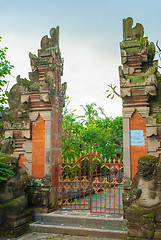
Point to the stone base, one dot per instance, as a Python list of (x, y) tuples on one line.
[(16, 225), (135, 233), (136, 238), (40, 195), (43, 209)]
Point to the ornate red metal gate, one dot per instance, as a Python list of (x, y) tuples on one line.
[(90, 183)]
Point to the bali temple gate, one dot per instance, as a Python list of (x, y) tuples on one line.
[(36, 114), (140, 84)]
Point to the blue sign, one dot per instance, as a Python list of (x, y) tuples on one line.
[(137, 138)]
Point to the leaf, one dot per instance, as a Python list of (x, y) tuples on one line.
[(112, 96), (108, 95)]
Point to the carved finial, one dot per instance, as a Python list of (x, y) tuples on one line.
[(132, 32), (47, 43)]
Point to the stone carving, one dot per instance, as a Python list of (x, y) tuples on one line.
[(12, 196), (129, 32), (48, 43), (34, 106), (145, 198), (137, 55)]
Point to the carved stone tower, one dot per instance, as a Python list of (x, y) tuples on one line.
[(36, 111), (139, 90)]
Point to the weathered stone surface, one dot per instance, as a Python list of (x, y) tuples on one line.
[(12, 195), (125, 92), (33, 116), (144, 210), (17, 225), (45, 97), (140, 91), (36, 112), (8, 133), (126, 145), (129, 32), (151, 131), (25, 98), (49, 43), (153, 144)]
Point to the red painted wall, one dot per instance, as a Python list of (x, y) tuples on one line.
[(22, 159), (38, 148), (137, 123)]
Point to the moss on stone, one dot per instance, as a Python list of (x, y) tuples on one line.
[(155, 103), (133, 51), (136, 78), (157, 116), (151, 159), (150, 215), (6, 158), (140, 78), (132, 43), (136, 211)]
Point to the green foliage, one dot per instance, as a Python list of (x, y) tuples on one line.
[(142, 42), (5, 69), (157, 116), (5, 171), (110, 93), (159, 51), (91, 113), (90, 131)]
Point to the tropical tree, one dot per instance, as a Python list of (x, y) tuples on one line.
[(5, 69), (91, 131), (91, 113), (104, 135)]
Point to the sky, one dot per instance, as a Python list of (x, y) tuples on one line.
[(90, 33)]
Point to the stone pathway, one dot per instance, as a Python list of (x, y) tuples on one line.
[(45, 236)]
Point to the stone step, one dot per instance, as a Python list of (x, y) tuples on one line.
[(81, 220), (111, 228)]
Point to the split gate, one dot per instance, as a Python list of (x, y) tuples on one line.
[(90, 183)]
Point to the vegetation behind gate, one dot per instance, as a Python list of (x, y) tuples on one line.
[(93, 130)]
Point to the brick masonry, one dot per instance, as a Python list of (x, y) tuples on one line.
[(137, 123), (38, 148), (37, 111), (139, 92)]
